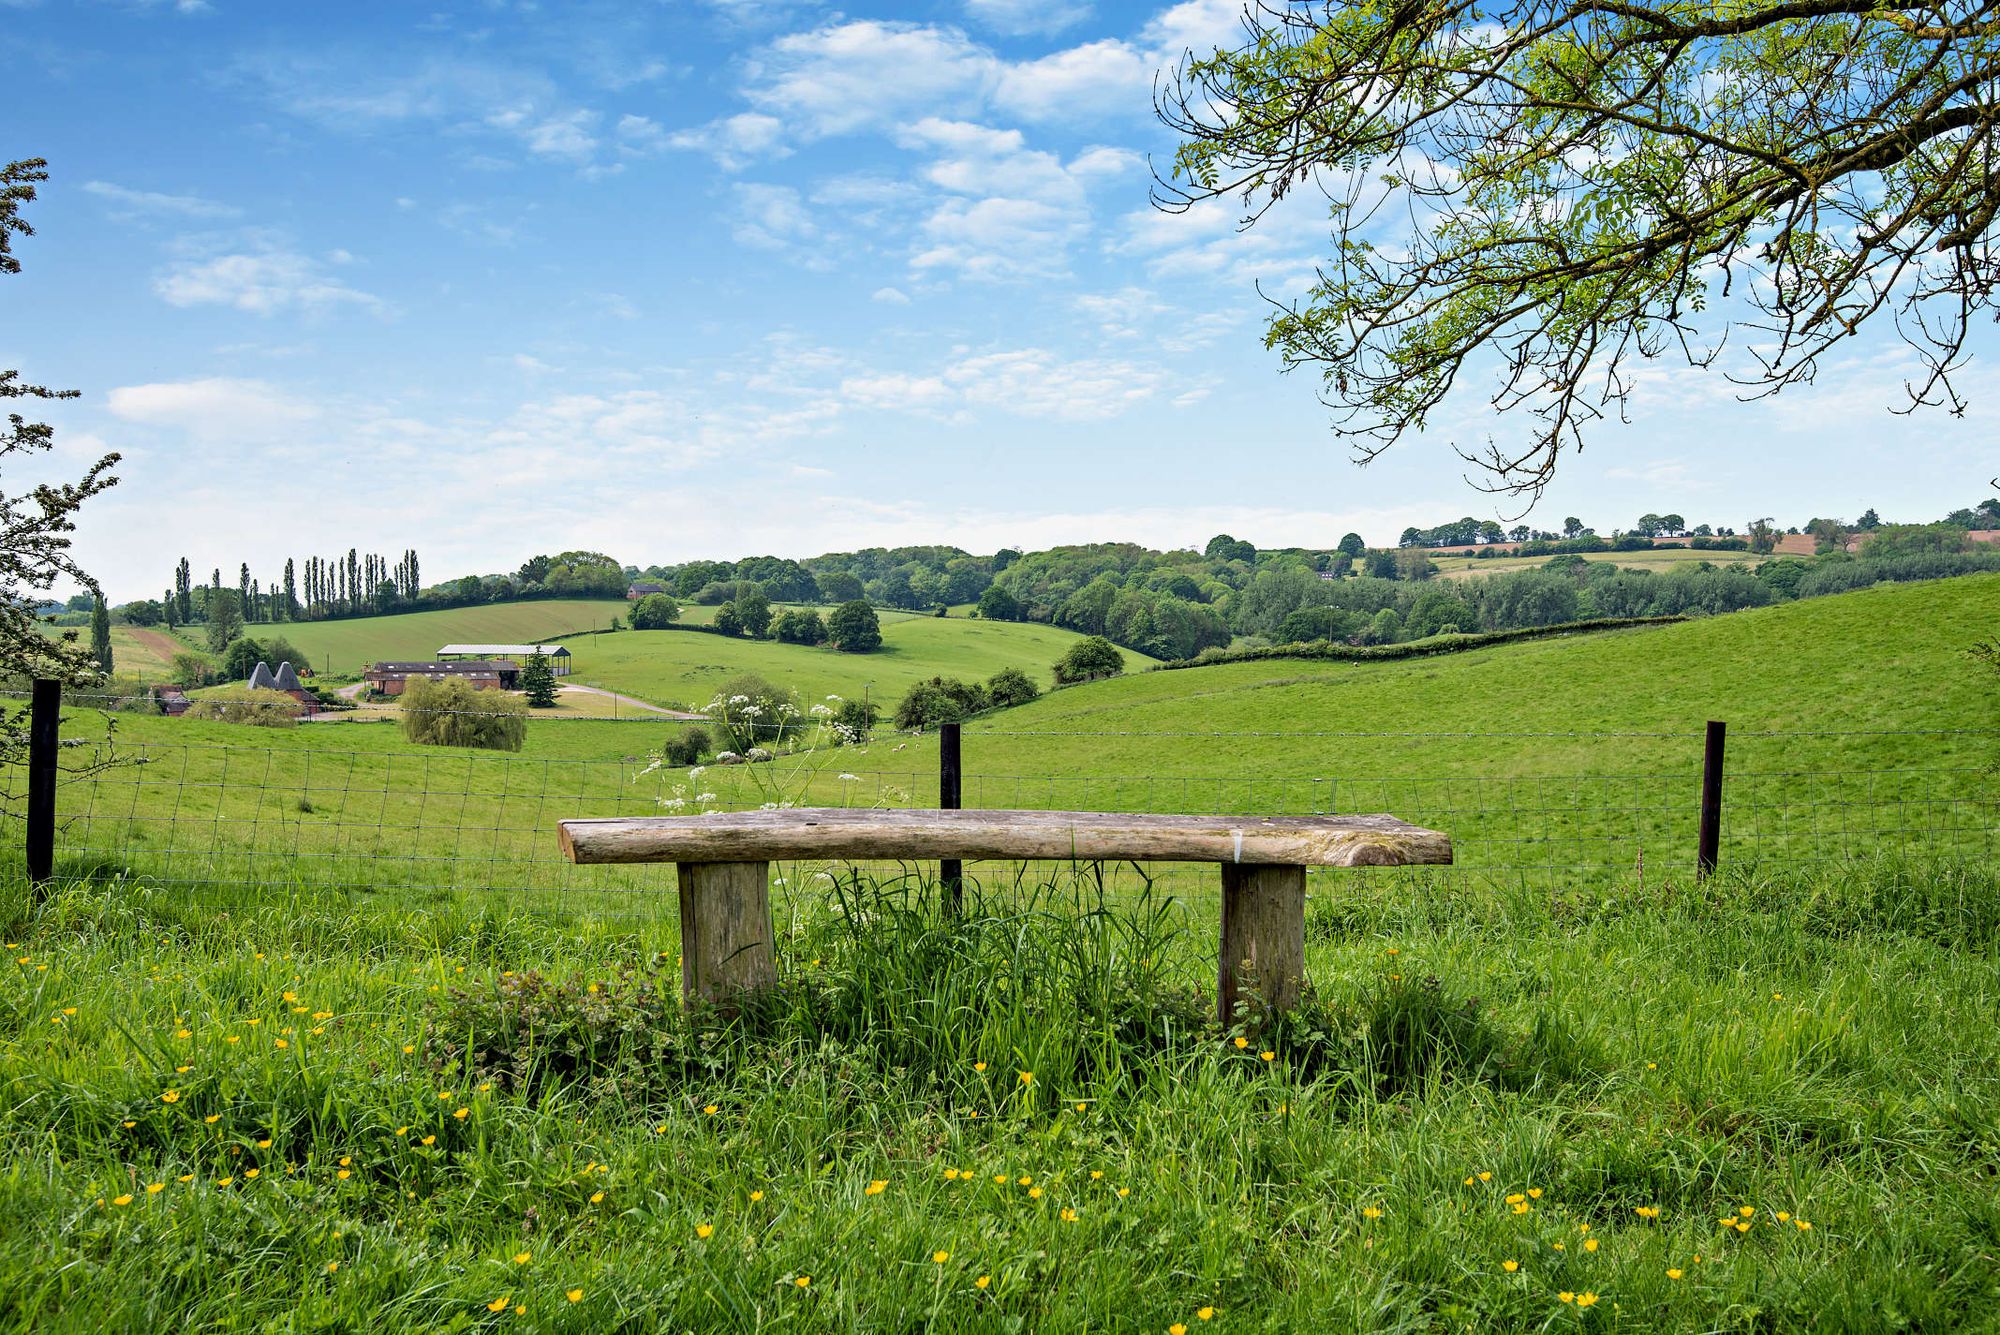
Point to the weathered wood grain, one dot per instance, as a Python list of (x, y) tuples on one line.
[(863, 835), (1263, 937), (725, 930)]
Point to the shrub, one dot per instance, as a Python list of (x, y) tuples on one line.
[(854, 628), (656, 611), (940, 700), (856, 718), (1011, 686), (750, 711), (191, 669), (726, 620), (623, 1037), (240, 704), (454, 712), (799, 626), (1091, 658), (753, 609), (241, 657), (996, 604), (689, 747)]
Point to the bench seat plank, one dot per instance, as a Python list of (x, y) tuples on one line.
[(869, 835)]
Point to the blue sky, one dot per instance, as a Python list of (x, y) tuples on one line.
[(724, 277)]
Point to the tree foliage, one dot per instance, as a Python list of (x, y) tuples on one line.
[(256, 708), (656, 611), (538, 682), (451, 711), (1587, 181), (854, 628), (35, 524), (1091, 658)]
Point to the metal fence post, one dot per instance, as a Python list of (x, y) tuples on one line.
[(1709, 836), (44, 713), (951, 872)]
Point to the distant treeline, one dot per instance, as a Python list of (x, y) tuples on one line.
[(1170, 605)]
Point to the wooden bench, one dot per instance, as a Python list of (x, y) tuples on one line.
[(725, 862)]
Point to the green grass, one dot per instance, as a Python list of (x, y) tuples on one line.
[(474, 1109), (681, 669), (1659, 560), (353, 644), (1547, 762)]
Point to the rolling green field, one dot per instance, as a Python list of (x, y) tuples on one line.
[(1659, 560), (684, 670), (324, 1033), (1549, 762), (349, 646)]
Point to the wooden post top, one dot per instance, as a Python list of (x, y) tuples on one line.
[(863, 834)]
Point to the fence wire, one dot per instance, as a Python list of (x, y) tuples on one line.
[(325, 816)]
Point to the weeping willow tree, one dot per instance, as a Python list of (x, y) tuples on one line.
[(35, 521), (1544, 197)]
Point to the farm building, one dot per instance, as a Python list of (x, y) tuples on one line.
[(286, 680), (557, 655), (641, 589), (484, 674)]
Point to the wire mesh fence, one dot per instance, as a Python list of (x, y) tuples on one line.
[(355, 811)]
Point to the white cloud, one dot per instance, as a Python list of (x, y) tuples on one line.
[(150, 201), (997, 238), (217, 410), (1036, 383), (565, 134), (1105, 78), (891, 296), (262, 283), (1201, 26), (1027, 382), (1019, 18), (466, 97), (895, 390), (1012, 210), (733, 141), (771, 217), (868, 74)]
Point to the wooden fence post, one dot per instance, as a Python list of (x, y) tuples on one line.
[(1708, 837), (1263, 937), (44, 714), (951, 872)]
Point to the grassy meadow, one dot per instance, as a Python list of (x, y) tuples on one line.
[(683, 670), (1752, 1107), (1552, 764), (1659, 560), (349, 646), (317, 1030)]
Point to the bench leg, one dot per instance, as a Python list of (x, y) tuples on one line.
[(1263, 935), (725, 930)]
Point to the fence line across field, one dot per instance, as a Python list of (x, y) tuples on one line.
[(212, 815), (670, 717)]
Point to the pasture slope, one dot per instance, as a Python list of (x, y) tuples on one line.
[(349, 646), (1658, 560), (677, 668), (1767, 1105), (680, 668)]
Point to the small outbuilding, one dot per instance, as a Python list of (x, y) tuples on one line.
[(484, 674), (557, 655)]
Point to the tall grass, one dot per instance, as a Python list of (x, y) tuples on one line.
[(475, 1114)]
